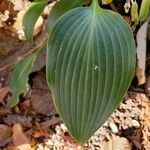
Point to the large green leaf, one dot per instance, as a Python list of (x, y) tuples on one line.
[(31, 17), (90, 64), (59, 9), (19, 79)]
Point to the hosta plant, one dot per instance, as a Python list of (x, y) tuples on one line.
[(90, 63)]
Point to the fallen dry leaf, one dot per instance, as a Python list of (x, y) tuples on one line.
[(39, 82), (5, 142), (41, 101), (10, 147), (39, 131), (4, 17), (4, 110), (25, 105), (20, 140), (5, 131), (3, 92), (141, 52), (19, 4), (45, 125), (117, 143), (12, 119)]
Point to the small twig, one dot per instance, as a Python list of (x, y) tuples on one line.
[(25, 55), (45, 125)]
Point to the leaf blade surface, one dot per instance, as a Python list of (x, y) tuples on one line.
[(90, 64)]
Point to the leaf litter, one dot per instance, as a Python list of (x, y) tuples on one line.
[(46, 130), (41, 128)]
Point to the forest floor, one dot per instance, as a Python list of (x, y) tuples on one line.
[(34, 123), (37, 125)]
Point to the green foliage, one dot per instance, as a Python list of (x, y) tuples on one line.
[(134, 12), (59, 9), (90, 64), (144, 10), (32, 16), (19, 79)]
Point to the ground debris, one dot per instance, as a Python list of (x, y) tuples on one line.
[(3, 92), (20, 140), (129, 121), (41, 102), (117, 143), (12, 119), (128, 125)]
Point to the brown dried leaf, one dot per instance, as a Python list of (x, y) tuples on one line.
[(5, 142), (42, 103), (141, 52), (45, 125), (7, 13), (19, 4), (117, 143), (10, 147), (12, 119), (39, 82), (20, 140), (39, 131), (25, 105), (3, 92), (5, 131), (4, 110)]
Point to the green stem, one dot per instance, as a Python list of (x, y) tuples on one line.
[(95, 5)]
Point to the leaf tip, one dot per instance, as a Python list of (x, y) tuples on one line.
[(13, 101)]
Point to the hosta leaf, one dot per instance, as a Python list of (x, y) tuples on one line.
[(90, 64), (59, 9), (145, 7), (19, 79), (31, 17)]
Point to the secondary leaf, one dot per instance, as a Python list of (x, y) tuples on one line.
[(134, 11), (31, 17), (90, 64), (59, 9), (145, 7), (19, 79)]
